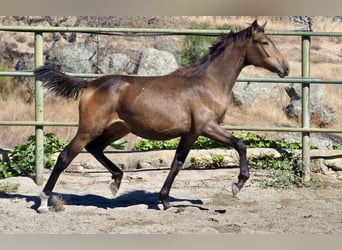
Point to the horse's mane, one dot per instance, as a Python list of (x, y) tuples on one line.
[(215, 50)]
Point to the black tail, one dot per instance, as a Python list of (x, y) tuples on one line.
[(60, 83)]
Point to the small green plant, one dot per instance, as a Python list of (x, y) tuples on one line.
[(52, 144), (315, 182), (252, 140), (119, 144), (9, 188), (281, 179), (22, 158), (205, 143), (215, 161), (283, 172), (145, 145)]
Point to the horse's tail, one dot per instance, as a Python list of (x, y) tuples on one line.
[(60, 83)]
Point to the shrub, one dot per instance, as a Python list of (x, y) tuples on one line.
[(251, 140), (196, 47), (22, 157), (283, 172)]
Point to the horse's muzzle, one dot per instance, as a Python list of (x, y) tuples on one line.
[(284, 70)]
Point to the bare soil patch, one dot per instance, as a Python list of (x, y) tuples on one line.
[(201, 203)]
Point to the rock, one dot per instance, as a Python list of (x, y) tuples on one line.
[(339, 175), (318, 164), (321, 113), (322, 142), (294, 91), (253, 92), (335, 164), (116, 63), (73, 57), (294, 110), (257, 152), (169, 44), (144, 165), (154, 62)]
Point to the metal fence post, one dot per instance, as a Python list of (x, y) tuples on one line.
[(39, 111), (306, 107)]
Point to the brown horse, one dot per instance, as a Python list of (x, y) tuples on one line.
[(186, 103)]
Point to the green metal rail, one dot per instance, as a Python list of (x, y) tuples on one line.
[(136, 31), (305, 80)]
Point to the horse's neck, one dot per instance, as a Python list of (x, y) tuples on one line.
[(227, 67)]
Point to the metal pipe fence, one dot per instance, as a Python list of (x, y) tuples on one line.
[(305, 80)]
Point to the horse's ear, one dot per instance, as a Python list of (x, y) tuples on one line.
[(264, 25), (255, 24)]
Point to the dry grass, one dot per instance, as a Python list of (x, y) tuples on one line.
[(326, 55), (57, 204), (16, 109)]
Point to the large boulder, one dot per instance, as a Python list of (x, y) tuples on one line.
[(73, 57), (116, 63), (248, 94), (155, 62), (322, 113)]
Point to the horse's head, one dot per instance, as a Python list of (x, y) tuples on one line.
[(262, 52)]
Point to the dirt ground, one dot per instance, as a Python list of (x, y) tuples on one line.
[(201, 200)]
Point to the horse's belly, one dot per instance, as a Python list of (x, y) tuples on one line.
[(157, 127)]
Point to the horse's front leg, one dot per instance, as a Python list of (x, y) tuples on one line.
[(181, 153), (215, 132), (164, 192)]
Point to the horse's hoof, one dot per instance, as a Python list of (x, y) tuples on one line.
[(166, 204), (42, 210), (235, 189), (114, 189)]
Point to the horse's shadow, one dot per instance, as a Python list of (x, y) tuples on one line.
[(133, 198)]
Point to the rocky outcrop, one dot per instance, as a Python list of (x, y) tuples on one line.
[(321, 112), (117, 63), (73, 57), (248, 94), (156, 62)]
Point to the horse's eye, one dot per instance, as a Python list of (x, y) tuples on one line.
[(264, 43)]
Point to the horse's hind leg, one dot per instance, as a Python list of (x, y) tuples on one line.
[(64, 159), (96, 147)]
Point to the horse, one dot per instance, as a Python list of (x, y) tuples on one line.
[(187, 103)]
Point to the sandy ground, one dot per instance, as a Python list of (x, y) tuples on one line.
[(201, 200)]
